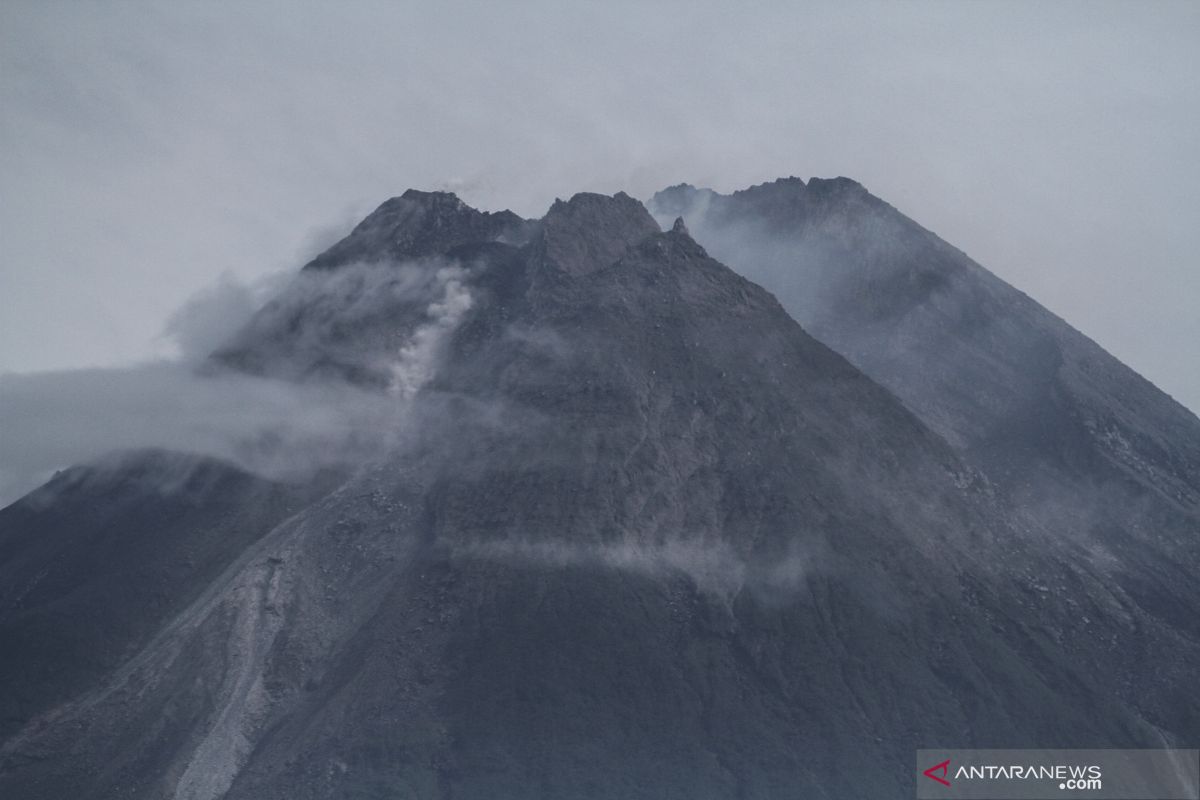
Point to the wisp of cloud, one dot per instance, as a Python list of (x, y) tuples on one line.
[(278, 426)]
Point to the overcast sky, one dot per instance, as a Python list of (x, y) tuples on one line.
[(145, 150)]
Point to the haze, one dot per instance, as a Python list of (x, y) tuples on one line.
[(146, 150)]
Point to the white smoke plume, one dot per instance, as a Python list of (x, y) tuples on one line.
[(712, 565), (418, 357), (271, 426)]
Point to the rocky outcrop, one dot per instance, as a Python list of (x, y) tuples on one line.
[(418, 224)]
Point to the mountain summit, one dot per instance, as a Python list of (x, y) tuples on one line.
[(632, 532), (417, 224)]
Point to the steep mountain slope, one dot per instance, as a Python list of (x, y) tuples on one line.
[(93, 563), (637, 535), (987, 367), (1076, 441)]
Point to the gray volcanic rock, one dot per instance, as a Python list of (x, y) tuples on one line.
[(417, 224), (1075, 440), (356, 304), (987, 367), (638, 535), (592, 231), (94, 563)]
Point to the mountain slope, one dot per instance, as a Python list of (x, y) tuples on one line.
[(93, 563), (987, 367), (638, 535), (1075, 441)]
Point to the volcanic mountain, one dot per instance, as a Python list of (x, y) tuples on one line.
[(997, 375), (631, 532), (1074, 439)]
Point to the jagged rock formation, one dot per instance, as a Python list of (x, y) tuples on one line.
[(637, 535), (418, 224)]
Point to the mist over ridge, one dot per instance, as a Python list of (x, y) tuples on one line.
[(149, 149)]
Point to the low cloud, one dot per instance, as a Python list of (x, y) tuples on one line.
[(203, 323), (279, 426), (713, 566)]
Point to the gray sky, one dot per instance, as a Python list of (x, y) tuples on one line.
[(147, 149)]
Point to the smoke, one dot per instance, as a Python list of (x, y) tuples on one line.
[(417, 358), (712, 565), (889, 296), (802, 262), (56, 419), (203, 322), (272, 424)]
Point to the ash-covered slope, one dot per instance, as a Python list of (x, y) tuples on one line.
[(1076, 441), (995, 373), (637, 535), (97, 560)]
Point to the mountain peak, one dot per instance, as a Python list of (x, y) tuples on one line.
[(678, 199), (586, 204), (816, 189), (418, 224), (591, 231), (601, 490), (439, 201), (830, 186)]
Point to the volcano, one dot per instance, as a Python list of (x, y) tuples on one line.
[(636, 528)]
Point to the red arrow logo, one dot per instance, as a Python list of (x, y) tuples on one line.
[(943, 768)]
